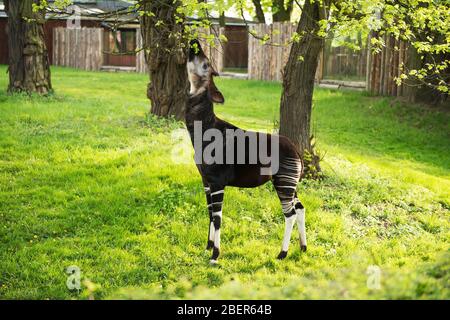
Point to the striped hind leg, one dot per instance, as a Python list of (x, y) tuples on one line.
[(285, 183), (289, 219)]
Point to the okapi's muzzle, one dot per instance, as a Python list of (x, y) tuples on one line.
[(195, 50)]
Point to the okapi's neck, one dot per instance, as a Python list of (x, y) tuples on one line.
[(199, 108)]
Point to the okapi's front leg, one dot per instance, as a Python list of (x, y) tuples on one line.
[(217, 193), (207, 189), (210, 244)]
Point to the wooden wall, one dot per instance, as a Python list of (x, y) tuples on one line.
[(120, 53), (236, 48), (78, 48), (344, 63), (50, 25), (266, 62), (385, 66)]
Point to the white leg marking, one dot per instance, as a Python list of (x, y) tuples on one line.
[(289, 224), (218, 213), (217, 192), (216, 244), (211, 231), (301, 225), (216, 232), (217, 239)]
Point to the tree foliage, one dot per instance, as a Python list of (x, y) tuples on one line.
[(424, 24)]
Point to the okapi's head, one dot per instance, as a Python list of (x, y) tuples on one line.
[(201, 73)]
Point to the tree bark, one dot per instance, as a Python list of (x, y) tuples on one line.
[(29, 65), (298, 86), (222, 21), (259, 11), (283, 12), (165, 57)]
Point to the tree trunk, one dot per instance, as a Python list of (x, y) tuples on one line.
[(298, 87), (283, 11), (29, 66), (259, 11), (222, 21), (166, 59)]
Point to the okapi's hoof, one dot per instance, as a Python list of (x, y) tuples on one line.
[(210, 245), (302, 248), (282, 255), (215, 254)]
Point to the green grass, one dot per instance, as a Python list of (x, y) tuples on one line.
[(86, 179)]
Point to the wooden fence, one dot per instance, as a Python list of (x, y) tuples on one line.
[(266, 62), (343, 63), (78, 48), (378, 71), (215, 53), (385, 66)]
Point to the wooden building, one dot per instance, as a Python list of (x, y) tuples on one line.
[(120, 44)]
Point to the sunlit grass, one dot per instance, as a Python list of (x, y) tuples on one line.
[(86, 179)]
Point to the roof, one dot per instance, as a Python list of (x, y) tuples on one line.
[(93, 10)]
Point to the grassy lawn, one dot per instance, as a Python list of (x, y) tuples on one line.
[(86, 179)]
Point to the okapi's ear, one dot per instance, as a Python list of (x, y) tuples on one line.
[(195, 49), (214, 93)]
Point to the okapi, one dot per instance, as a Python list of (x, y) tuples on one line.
[(245, 174)]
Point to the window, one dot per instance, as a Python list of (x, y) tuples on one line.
[(121, 41)]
